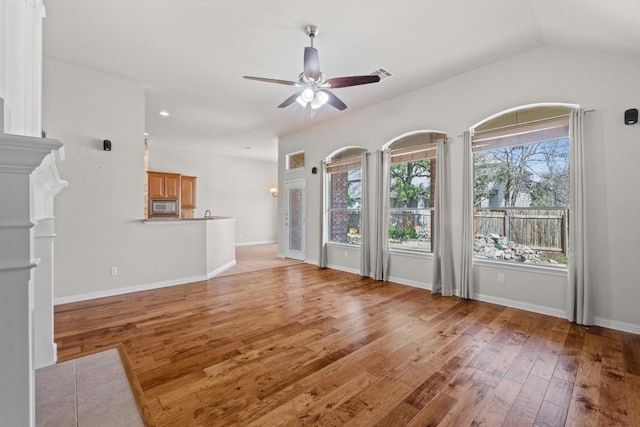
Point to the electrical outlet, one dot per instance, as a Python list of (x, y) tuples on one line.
[(346, 254), (114, 271), (500, 278)]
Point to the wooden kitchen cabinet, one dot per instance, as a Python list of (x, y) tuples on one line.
[(156, 185), (164, 185), (172, 186), (188, 192)]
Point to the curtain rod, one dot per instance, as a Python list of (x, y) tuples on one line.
[(533, 121), (516, 125)]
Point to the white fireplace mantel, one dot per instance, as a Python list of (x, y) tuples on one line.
[(23, 154), (22, 162)]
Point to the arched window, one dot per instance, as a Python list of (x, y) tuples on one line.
[(521, 186), (411, 191), (344, 179)]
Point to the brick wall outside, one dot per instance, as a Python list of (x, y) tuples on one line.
[(339, 221)]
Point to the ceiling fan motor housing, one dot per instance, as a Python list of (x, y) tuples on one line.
[(311, 31)]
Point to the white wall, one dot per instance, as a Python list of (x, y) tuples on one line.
[(98, 218), (99, 215), (601, 82), (227, 186)]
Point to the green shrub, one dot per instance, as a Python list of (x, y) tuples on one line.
[(397, 233)]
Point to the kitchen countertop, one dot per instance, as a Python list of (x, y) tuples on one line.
[(176, 220)]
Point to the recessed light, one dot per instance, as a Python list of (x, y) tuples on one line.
[(164, 113), (146, 134)]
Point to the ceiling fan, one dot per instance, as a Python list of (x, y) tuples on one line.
[(315, 85)]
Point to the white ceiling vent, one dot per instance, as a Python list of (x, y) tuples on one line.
[(384, 74)]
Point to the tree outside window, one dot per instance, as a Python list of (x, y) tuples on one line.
[(411, 205), (412, 181), (521, 193)]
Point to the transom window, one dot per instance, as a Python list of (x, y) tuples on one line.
[(521, 187), (295, 160)]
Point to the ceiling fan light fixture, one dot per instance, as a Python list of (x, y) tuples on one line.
[(308, 94), (301, 101), (320, 99)]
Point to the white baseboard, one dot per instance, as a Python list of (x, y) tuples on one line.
[(127, 290), (311, 261), (617, 325), (550, 311), (598, 321), (41, 361), (412, 283), (221, 269), (340, 268), (144, 287), (266, 242)]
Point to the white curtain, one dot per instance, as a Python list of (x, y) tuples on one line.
[(365, 245), (466, 271), (322, 254), (579, 304), (381, 244), (443, 275)]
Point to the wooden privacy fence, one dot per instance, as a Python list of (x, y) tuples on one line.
[(543, 229)]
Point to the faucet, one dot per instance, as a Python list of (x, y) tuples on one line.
[(207, 214)]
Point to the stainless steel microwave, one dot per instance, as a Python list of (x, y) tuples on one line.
[(164, 208)]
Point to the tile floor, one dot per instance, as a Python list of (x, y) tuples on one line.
[(89, 391)]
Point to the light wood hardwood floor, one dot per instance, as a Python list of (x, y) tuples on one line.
[(257, 258), (302, 346)]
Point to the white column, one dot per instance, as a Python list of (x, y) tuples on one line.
[(45, 184), (19, 157), (20, 114), (44, 350), (21, 65)]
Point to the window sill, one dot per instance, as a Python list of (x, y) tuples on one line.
[(533, 268), (411, 254), (342, 245)]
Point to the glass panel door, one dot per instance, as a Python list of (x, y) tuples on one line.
[(295, 219)]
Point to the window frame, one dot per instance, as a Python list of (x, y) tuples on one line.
[(415, 153), (342, 165), (288, 161), (539, 131)]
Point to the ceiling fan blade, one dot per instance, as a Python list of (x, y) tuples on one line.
[(352, 81), (263, 79), (311, 63), (334, 100), (290, 100)]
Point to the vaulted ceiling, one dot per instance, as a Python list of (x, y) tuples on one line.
[(190, 55)]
